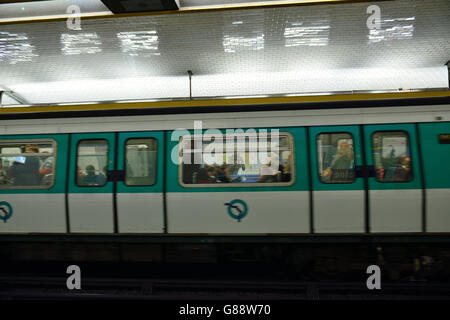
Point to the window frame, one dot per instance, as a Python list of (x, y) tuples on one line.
[(241, 185), (408, 149), (354, 157), (444, 138), (76, 164), (34, 141), (125, 162)]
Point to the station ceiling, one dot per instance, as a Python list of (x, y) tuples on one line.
[(281, 50)]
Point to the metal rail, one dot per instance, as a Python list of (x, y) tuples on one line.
[(12, 288)]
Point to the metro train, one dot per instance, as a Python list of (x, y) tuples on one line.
[(353, 172)]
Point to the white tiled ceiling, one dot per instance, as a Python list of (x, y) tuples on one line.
[(236, 52)]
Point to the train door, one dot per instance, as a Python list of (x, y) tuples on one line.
[(435, 142), (337, 186), (90, 197), (33, 183), (395, 187), (140, 197)]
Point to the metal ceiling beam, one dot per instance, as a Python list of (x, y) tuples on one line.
[(120, 12), (13, 95), (224, 103)]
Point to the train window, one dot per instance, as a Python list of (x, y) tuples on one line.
[(140, 161), (238, 159), (444, 138), (392, 157), (335, 155), (27, 164), (92, 163)]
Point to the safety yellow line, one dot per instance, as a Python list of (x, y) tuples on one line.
[(194, 10), (227, 102)]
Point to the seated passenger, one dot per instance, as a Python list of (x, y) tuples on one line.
[(341, 167), (380, 172), (2, 170), (47, 166), (93, 179), (206, 175), (286, 170), (3, 174), (266, 173), (223, 174), (238, 163), (80, 174), (403, 173)]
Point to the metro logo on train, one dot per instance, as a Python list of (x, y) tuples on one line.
[(6, 211), (237, 209)]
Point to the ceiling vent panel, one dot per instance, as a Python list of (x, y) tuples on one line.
[(132, 6)]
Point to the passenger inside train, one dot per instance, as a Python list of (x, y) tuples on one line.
[(26, 165), (92, 177), (250, 162), (336, 158), (392, 157)]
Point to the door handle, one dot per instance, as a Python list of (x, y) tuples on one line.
[(359, 171), (116, 175), (370, 171), (365, 171)]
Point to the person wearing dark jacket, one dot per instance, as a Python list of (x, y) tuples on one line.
[(27, 173)]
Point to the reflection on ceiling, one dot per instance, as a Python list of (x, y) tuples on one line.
[(283, 50), (139, 43), (393, 29), (246, 34), (303, 34), (73, 44), (238, 43), (15, 47)]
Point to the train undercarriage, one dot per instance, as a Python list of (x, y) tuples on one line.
[(314, 258)]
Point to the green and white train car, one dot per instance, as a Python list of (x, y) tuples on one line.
[(122, 175)]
